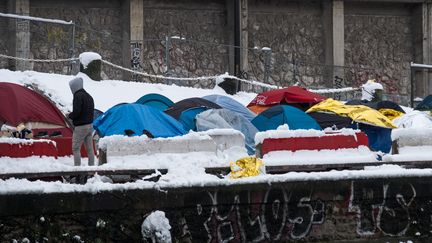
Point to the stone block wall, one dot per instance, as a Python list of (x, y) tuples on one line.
[(98, 29), (204, 28), (3, 35), (379, 38), (294, 32)]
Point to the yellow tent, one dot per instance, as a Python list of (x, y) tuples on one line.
[(358, 113)]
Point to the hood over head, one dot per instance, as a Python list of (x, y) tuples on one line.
[(76, 84)]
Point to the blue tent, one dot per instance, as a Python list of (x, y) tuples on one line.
[(224, 118), (278, 115), (137, 118), (231, 104), (187, 117), (96, 113), (157, 101)]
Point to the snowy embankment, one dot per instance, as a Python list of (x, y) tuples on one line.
[(186, 169)]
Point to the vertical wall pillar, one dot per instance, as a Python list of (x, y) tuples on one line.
[(19, 43), (136, 34), (426, 84), (333, 19), (244, 35)]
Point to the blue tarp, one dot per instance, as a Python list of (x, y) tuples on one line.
[(231, 104), (278, 115), (157, 101), (379, 138), (224, 118), (137, 118)]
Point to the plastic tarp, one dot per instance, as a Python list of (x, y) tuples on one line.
[(358, 113), (231, 104), (224, 118), (137, 118), (157, 101), (426, 104), (414, 119), (278, 115), (19, 104)]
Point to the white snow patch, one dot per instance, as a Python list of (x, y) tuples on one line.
[(87, 57), (283, 132), (156, 227)]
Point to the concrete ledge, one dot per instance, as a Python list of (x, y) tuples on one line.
[(210, 141)]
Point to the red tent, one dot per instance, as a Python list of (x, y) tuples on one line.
[(293, 94), (19, 104)]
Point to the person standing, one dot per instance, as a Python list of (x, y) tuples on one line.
[(82, 118)]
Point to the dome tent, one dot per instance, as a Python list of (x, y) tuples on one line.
[(284, 114), (23, 105), (157, 101), (231, 104), (137, 119)]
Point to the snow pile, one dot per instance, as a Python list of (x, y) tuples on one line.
[(25, 141), (368, 89), (57, 88), (156, 227), (87, 57), (414, 119), (361, 154), (284, 132)]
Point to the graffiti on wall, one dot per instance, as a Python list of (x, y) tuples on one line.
[(252, 216), (381, 207), (136, 51)]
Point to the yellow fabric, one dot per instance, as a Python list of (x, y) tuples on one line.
[(390, 113), (245, 167), (358, 113)]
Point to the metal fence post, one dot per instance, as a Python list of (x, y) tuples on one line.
[(267, 63)]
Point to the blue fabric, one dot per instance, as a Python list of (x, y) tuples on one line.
[(379, 137), (137, 118), (224, 118), (157, 101), (295, 118), (187, 117), (231, 104)]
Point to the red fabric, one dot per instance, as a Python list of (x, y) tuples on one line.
[(293, 94), (64, 146), (22, 150), (20, 104), (313, 143)]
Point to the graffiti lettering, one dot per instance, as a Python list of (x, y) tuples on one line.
[(253, 217), (381, 207)]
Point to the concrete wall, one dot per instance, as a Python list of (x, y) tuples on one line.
[(379, 37), (98, 29), (368, 210)]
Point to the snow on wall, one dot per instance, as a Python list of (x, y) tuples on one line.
[(284, 132)]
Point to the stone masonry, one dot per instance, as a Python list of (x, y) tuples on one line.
[(307, 39)]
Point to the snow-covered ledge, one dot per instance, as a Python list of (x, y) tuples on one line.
[(215, 140)]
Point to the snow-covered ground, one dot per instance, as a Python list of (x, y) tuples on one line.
[(186, 169)]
